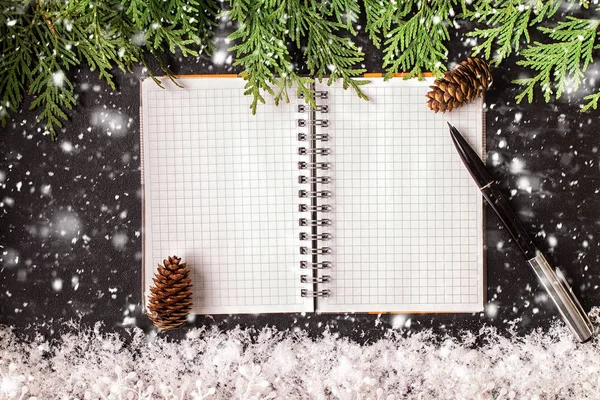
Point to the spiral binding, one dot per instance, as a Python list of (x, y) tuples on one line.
[(303, 151), (323, 137), (316, 122), (321, 208), (312, 176), (315, 293), (317, 265), (321, 108), (322, 94), (316, 179), (316, 165), (316, 236), (320, 279), (313, 193), (319, 250), (314, 222)]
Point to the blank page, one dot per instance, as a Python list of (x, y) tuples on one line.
[(221, 191), (407, 216)]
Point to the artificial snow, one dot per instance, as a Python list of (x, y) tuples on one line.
[(270, 364)]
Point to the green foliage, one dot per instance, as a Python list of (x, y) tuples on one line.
[(263, 53), (559, 65), (41, 41), (327, 52), (507, 24), (262, 45), (592, 101), (413, 33)]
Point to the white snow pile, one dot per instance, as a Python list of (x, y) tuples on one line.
[(270, 364)]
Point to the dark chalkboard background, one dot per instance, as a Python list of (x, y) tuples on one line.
[(70, 212)]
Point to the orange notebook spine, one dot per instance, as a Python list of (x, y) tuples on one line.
[(396, 75)]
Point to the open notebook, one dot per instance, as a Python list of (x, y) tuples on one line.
[(356, 206)]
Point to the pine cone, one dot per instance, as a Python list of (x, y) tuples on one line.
[(459, 86), (170, 297)]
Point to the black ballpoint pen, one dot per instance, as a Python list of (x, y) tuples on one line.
[(552, 280)]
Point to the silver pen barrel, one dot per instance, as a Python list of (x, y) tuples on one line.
[(560, 292)]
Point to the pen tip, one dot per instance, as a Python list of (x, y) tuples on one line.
[(450, 125)]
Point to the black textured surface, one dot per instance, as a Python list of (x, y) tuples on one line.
[(70, 215)]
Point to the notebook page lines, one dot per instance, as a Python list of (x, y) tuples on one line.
[(407, 227), (222, 194)]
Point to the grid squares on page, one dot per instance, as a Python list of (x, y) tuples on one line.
[(224, 195), (407, 215)]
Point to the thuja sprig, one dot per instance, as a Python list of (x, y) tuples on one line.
[(267, 29), (559, 65), (328, 53), (413, 34), (42, 40), (262, 51), (507, 24)]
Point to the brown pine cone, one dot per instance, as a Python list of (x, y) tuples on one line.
[(459, 86), (170, 297)]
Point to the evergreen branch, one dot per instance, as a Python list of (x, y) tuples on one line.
[(377, 15), (329, 54), (345, 12), (14, 70), (50, 85), (415, 37), (592, 101), (40, 41), (261, 50), (508, 23), (303, 89), (137, 10), (561, 64), (103, 46), (204, 21)]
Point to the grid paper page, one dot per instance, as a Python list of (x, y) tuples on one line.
[(221, 191), (407, 219)]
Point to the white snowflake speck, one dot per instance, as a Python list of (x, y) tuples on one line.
[(9, 201), (112, 122), (10, 257), (66, 224), (66, 146), (119, 240), (57, 284), (524, 184), (45, 189), (516, 166), (518, 117), (219, 57), (398, 321), (58, 78), (491, 310)]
